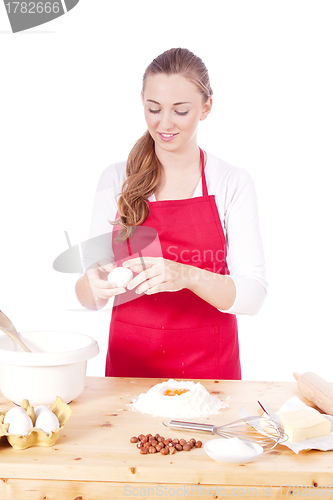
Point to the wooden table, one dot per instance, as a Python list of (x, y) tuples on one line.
[(94, 459)]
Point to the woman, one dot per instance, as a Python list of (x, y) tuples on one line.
[(183, 323)]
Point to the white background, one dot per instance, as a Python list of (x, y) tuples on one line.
[(70, 106)]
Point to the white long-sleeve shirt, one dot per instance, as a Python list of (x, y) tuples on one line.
[(237, 206)]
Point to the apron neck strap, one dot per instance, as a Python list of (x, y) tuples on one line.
[(203, 177)]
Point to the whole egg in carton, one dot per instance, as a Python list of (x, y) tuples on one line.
[(60, 413)]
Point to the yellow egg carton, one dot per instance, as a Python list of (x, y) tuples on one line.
[(36, 437)]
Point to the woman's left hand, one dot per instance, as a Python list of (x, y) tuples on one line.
[(156, 274)]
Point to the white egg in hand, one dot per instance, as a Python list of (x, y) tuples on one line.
[(21, 425), (121, 276), (47, 421), (13, 413)]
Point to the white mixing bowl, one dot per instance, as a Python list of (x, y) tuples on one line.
[(55, 367)]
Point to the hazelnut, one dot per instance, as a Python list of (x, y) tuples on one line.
[(158, 444)]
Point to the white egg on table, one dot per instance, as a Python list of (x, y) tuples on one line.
[(20, 425), (39, 409), (13, 413), (121, 276), (47, 421)]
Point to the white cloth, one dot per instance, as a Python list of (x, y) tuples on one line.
[(237, 206)]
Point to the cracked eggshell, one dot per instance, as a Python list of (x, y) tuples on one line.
[(37, 437)]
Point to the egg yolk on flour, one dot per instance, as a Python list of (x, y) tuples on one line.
[(175, 392)]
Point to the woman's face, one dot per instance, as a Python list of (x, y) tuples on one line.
[(173, 107)]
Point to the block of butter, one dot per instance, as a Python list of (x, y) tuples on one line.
[(304, 424)]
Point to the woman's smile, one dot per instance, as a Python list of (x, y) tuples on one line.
[(167, 137)]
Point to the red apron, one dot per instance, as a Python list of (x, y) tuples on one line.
[(177, 334)]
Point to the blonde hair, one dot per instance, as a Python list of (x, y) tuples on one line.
[(143, 168)]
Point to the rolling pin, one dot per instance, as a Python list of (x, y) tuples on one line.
[(317, 390)]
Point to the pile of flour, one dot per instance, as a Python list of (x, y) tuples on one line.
[(197, 402)]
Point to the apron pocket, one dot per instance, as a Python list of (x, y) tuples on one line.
[(136, 351)]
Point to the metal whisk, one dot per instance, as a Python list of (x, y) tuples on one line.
[(244, 428)]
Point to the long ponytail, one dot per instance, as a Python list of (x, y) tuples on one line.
[(143, 172)]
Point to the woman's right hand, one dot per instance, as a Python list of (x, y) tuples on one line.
[(93, 289), (98, 281)]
